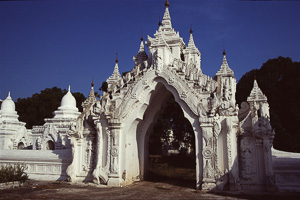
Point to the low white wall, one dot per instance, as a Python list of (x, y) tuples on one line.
[(41, 165), (286, 168)]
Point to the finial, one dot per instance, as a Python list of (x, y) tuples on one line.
[(142, 38), (159, 22), (9, 94), (167, 4), (92, 82), (224, 52), (191, 30), (117, 60), (69, 89), (255, 75)]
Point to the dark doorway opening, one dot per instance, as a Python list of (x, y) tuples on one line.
[(50, 145), (172, 156), (21, 145)]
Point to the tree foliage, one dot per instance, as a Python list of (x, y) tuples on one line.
[(171, 118), (33, 110), (279, 80)]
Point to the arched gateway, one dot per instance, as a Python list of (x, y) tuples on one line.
[(111, 137)]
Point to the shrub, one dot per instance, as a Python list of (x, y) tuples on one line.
[(13, 172)]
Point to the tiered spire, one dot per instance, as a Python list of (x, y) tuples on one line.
[(166, 22), (142, 48), (191, 52), (115, 75), (191, 40), (92, 93), (225, 69), (141, 56), (91, 98), (256, 93), (191, 45)]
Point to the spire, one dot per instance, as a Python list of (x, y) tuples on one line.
[(116, 69), (256, 94), (142, 48), (166, 22), (224, 58), (225, 69), (141, 56), (191, 40), (116, 74), (92, 93)]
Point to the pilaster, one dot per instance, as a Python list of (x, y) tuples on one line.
[(114, 170), (209, 181)]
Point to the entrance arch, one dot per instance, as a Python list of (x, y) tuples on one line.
[(139, 132)]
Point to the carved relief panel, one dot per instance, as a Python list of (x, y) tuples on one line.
[(248, 160)]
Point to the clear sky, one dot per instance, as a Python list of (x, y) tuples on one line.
[(59, 43)]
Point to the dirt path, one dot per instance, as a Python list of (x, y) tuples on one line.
[(139, 190)]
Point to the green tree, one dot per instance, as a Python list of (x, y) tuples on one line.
[(33, 110), (279, 80)]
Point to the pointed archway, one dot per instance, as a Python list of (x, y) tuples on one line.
[(171, 156), (137, 137)]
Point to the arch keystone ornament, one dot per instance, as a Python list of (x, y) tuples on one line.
[(118, 124)]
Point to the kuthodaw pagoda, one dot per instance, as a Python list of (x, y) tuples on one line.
[(108, 143)]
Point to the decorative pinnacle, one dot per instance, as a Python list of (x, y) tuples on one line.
[(9, 94), (92, 83), (69, 89), (224, 52), (167, 4), (142, 38)]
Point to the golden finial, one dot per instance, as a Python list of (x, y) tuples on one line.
[(167, 4)]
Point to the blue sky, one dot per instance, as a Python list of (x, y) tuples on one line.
[(59, 43)]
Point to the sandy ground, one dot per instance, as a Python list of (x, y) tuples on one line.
[(138, 190)]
